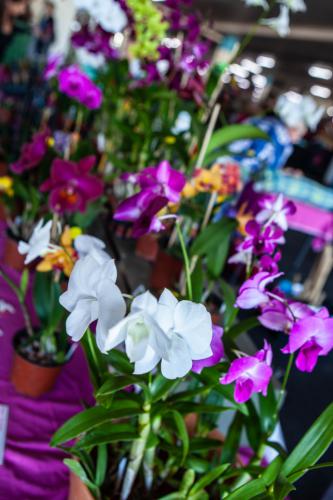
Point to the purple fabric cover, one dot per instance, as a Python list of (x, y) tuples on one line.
[(32, 470)]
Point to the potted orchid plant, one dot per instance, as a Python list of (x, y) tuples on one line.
[(42, 347), (165, 378)]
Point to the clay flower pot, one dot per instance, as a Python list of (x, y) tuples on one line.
[(166, 271), (32, 379), (77, 489), (147, 247), (11, 257)]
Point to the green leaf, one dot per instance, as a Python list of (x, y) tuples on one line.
[(232, 133), (211, 236), (161, 386), (272, 471), (182, 432), (114, 384), (101, 465), (231, 443), (204, 444), (311, 447), (120, 361), (209, 478), (249, 490), (253, 428), (243, 326), (267, 406), (79, 471), (24, 282), (107, 433), (93, 417), (189, 407), (229, 298), (216, 258), (197, 278)]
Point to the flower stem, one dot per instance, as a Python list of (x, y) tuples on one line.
[(92, 355), (21, 298), (284, 382), (186, 261), (137, 452)]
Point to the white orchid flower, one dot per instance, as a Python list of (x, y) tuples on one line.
[(145, 341), (183, 123), (279, 24), (84, 244), (39, 242), (189, 329), (107, 13), (92, 294), (166, 330), (276, 211), (257, 3), (294, 5)]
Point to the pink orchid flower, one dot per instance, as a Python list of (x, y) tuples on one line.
[(216, 346), (71, 185), (251, 373), (280, 317), (313, 337), (159, 186), (76, 85), (253, 292), (32, 153)]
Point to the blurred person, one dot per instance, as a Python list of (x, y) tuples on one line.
[(45, 31), (14, 30)]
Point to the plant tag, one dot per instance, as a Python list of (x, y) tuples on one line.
[(4, 412)]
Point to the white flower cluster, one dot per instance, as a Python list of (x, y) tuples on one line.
[(107, 13), (165, 330), (280, 23)]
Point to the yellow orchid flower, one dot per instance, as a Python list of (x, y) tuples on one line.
[(64, 258), (6, 185)]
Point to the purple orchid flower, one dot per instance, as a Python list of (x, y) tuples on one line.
[(71, 186), (253, 292), (275, 210), (262, 240), (32, 153), (52, 66), (217, 348), (95, 41), (251, 373), (270, 264), (280, 315), (159, 186), (76, 85), (313, 337)]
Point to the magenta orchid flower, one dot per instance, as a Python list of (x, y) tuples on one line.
[(251, 373), (71, 186), (253, 292), (275, 210), (262, 240), (76, 85), (216, 346), (159, 186), (280, 316), (270, 263), (32, 153), (52, 66), (312, 336)]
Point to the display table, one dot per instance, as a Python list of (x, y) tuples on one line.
[(32, 470)]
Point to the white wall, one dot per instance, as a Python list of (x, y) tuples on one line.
[(64, 15)]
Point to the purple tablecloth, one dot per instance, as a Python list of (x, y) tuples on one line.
[(32, 470)]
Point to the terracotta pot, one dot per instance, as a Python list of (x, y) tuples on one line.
[(147, 247), (31, 379), (166, 271), (77, 489), (11, 257)]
